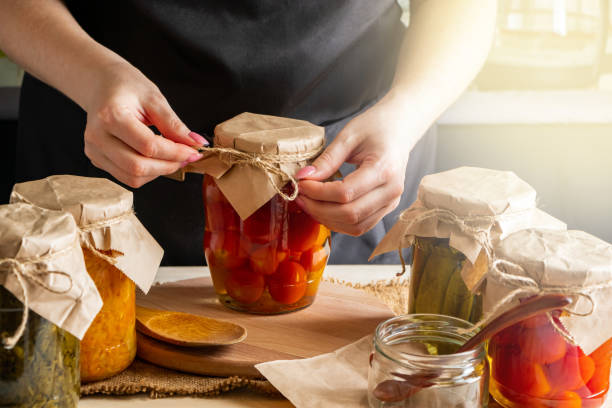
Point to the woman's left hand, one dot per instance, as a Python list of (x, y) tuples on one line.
[(379, 142)]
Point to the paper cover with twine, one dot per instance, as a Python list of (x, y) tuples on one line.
[(270, 150), (571, 262), (490, 203), (46, 246), (103, 211)]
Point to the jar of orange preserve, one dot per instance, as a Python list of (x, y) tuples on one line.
[(265, 254), (119, 254), (561, 359)]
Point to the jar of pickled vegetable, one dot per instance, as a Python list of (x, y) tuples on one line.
[(414, 364), (452, 227), (271, 262), (47, 302), (561, 359), (119, 254)]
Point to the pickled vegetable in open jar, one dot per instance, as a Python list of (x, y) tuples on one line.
[(272, 262), (561, 359)]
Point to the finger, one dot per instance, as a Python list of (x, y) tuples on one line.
[(162, 116), (353, 186), (102, 162), (331, 159), (352, 213), (133, 163), (122, 123)]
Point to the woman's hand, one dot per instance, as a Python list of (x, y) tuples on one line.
[(379, 143), (117, 138)]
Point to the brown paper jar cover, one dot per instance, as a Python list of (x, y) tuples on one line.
[(103, 213), (48, 240), (293, 143)]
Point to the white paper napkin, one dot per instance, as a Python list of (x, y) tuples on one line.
[(334, 380)]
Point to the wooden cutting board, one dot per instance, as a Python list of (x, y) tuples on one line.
[(339, 316)]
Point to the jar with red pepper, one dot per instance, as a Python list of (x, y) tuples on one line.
[(561, 359), (265, 254)]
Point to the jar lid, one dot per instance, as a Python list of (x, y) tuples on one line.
[(255, 156), (103, 212), (573, 262), (42, 265)]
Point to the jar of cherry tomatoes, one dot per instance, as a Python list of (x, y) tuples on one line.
[(119, 255), (264, 253), (561, 359)]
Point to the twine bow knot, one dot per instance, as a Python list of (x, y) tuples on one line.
[(31, 271)]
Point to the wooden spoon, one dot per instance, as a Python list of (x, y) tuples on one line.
[(399, 390), (187, 330)]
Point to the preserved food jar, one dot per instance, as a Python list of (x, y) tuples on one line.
[(418, 352), (119, 255), (109, 346), (533, 365), (271, 262), (560, 359), (457, 219), (42, 369)]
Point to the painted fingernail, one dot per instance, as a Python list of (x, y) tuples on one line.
[(199, 139), (305, 172), (194, 157)]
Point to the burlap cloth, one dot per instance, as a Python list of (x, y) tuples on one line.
[(142, 377)]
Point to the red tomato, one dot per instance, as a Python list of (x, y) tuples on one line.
[(220, 214), (265, 224), (542, 345), (223, 248), (265, 260), (303, 231), (288, 284), (571, 372), (518, 374), (244, 285)]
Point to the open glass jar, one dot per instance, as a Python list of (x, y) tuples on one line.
[(414, 364), (42, 370), (271, 262)]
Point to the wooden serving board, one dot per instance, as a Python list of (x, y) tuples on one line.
[(339, 316)]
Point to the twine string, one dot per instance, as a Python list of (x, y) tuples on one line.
[(30, 270), (268, 162)]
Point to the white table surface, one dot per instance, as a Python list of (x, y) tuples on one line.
[(349, 273)]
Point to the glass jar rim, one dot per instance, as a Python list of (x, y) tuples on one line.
[(404, 358)]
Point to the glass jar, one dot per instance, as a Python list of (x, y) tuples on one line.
[(532, 365), (436, 284), (272, 262), (109, 346), (42, 370), (414, 364)]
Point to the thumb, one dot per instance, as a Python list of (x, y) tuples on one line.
[(328, 163), (168, 123)]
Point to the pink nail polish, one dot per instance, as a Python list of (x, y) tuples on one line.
[(305, 172), (194, 157), (199, 139)]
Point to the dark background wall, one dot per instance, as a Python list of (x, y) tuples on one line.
[(9, 102)]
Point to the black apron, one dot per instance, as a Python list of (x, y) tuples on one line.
[(319, 60)]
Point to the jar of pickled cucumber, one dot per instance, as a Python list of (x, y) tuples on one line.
[(561, 359), (452, 227), (271, 262), (119, 254), (47, 302)]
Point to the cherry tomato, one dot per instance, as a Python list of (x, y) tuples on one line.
[(223, 248), (264, 225), (265, 260), (244, 285), (288, 284), (303, 231), (220, 215), (314, 259)]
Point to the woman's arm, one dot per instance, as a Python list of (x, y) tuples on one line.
[(44, 38), (443, 50)]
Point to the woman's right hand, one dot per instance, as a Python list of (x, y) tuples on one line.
[(120, 108)]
